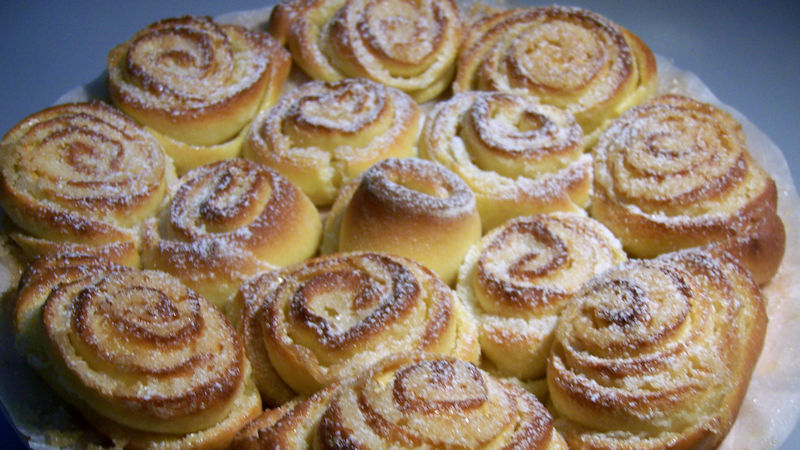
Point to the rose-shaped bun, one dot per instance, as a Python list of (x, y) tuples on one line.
[(518, 278), (411, 46), (518, 156), (409, 207), (568, 57), (309, 325), (676, 173), (227, 221), (146, 360), (196, 84), (322, 135), (657, 353), (409, 401), (81, 177)]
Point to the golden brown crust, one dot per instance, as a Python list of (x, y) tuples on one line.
[(226, 222), (81, 177), (322, 135), (411, 46), (568, 57), (657, 353), (409, 207), (518, 156), (133, 349), (676, 173), (196, 83), (410, 401), (309, 325), (518, 278)]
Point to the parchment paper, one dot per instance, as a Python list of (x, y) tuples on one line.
[(769, 412)]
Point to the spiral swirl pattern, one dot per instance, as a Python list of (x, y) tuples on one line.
[(227, 221), (657, 353), (520, 276), (309, 325), (411, 401), (197, 83), (518, 156), (409, 45), (81, 177), (409, 207), (322, 135), (675, 173), (134, 350), (568, 57)]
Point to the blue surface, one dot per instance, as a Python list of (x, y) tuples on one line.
[(745, 52)]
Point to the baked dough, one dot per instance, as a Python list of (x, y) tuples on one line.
[(676, 173), (322, 135), (197, 84), (411, 46), (309, 325), (226, 222), (81, 177), (657, 353), (569, 57), (145, 359), (409, 401), (409, 207), (518, 156)]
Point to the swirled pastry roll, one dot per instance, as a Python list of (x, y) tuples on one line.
[(196, 84), (81, 177), (568, 57), (409, 401), (675, 173), (322, 135), (657, 353), (411, 46), (227, 221), (308, 325), (518, 279), (409, 207), (518, 156), (145, 359)]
